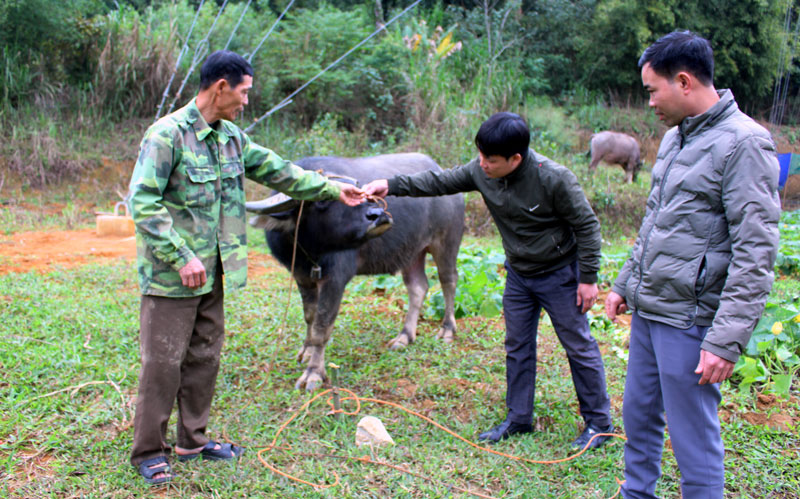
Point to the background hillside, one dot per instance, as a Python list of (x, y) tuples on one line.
[(81, 80)]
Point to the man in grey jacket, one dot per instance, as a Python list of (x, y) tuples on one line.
[(551, 238), (700, 270)]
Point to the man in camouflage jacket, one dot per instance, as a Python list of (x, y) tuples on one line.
[(700, 270), (187, 201)]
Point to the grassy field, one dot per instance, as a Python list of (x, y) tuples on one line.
[(69, 357)]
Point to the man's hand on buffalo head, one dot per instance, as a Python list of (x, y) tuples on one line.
[(378, 188), (350, 194)]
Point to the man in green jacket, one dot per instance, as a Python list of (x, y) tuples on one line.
[(552, 241), (700, 270), (187, 201)]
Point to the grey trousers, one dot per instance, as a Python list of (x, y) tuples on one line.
[(523, 300), (181, 340), (661, 379)]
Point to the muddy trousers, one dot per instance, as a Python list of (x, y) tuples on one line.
[(181, 340), (523, 300), (660, 380)]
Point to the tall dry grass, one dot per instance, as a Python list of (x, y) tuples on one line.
[(134, 67)]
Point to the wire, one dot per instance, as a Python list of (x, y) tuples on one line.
[(250, 58), (233, 31), (183, 51), (288, 99), (199, 54)]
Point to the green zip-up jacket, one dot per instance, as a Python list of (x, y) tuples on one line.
[(543, 216), (187, 198), (706, 249)]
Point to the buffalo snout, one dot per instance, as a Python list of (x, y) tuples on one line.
[(379, 221)]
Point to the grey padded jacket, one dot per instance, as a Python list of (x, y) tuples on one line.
[(706, 248)]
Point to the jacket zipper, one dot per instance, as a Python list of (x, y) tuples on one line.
[(655, 213)]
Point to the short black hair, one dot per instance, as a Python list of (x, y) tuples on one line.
[(224, 64), (504, 134), (681, 51)]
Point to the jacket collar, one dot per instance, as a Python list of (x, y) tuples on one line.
[(222, 131), (722, 109), (522, 170)]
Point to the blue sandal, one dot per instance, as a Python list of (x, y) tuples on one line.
[(148, 472), (225, 451)]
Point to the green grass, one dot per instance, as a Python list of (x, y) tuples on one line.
[(61, 436)]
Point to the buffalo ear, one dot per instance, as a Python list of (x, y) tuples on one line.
[(278, 223)]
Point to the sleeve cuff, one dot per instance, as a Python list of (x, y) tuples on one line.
[(333, 190), (392, 186), (719, 351), (185, 255), (588, 278)]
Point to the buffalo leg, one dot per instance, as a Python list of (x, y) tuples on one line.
[(310, 296), (630, 172), (593, 164), (417, 286), (329, 299), (448, 278)]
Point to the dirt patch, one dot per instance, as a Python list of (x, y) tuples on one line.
[(259, 264), (45, 251)]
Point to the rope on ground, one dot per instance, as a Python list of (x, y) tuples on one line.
[(288, 99), (366, 459)]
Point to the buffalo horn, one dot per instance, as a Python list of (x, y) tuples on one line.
[(273, 204)]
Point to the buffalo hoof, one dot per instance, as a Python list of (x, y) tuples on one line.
[(446, 335), (303, 355), (310, 380), (399, 342)]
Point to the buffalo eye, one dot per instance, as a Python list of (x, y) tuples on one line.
[(322, 205)]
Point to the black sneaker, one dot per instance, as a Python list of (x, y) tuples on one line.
[(505, 430), (586, 438)]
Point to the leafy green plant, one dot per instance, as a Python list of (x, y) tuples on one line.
[(772, 356), (480, 285), (787, 261), (611, 263)]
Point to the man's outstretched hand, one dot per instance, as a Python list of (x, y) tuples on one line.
[(350, 195), (379, 188)]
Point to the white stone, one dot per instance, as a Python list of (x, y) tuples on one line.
[(370, 431)]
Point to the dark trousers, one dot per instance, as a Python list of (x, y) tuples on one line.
[(523, 300), (181, 340), (661, 378)]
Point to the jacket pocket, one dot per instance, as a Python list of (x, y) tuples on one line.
[(232, 169), (202, 186), (700, 280)]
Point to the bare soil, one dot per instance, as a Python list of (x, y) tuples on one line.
[(47, 251)]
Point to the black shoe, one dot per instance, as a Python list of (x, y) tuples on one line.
[(504, 430), (589, 432)]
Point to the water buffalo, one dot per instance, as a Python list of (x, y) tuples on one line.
[(616, 148), (336, 242)]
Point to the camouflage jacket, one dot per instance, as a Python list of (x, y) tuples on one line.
[(187, 198)]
